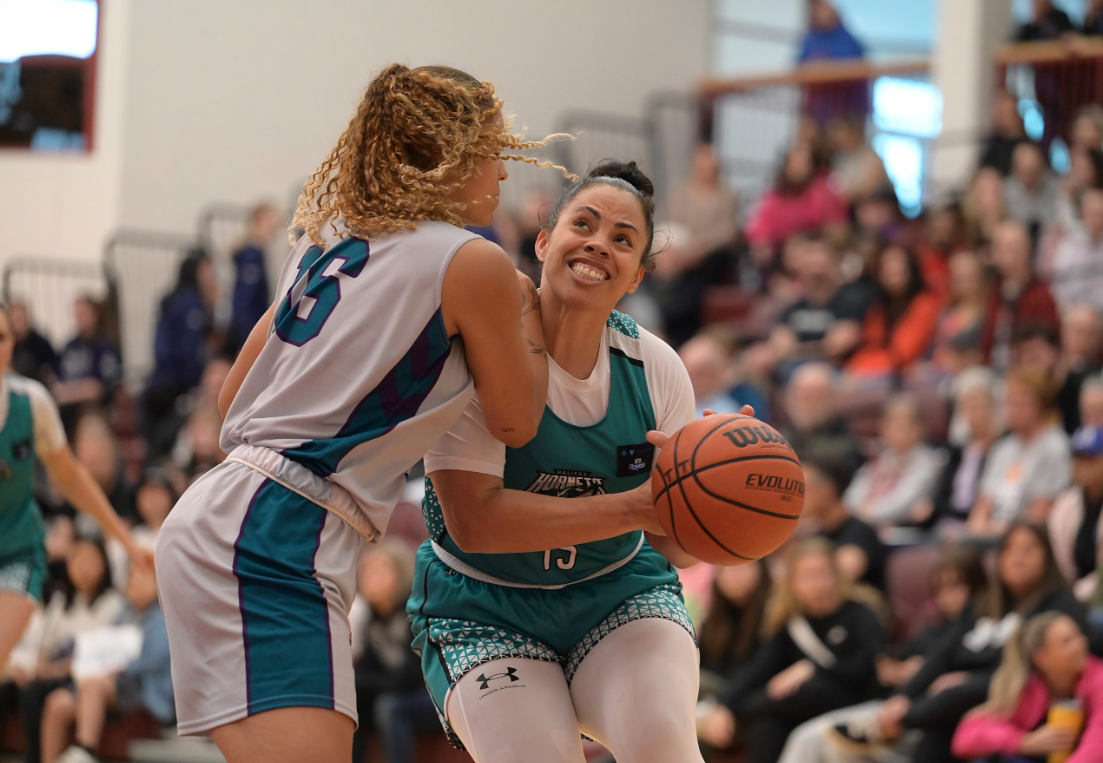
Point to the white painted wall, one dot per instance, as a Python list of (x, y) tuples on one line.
[(234, 101)]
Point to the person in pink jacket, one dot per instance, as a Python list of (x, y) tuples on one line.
[(1047, 661)]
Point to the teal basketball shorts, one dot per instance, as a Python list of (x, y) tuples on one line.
[(460, 623), (24, 573)]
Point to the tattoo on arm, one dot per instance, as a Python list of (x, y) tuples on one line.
[(534, 348), (508, 429), (530, 300)]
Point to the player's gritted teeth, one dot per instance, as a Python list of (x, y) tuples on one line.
[(589, 271)]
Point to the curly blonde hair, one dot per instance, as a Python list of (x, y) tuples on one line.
[(416, 136)]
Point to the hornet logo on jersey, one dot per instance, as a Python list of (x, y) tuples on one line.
[(484, 679), (567, 483)]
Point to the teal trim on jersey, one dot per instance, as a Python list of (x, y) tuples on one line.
[(284, 612), (398, 397), (570, 461), (21, 528)]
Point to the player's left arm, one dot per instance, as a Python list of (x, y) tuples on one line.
[(250, 351), (72, 478)]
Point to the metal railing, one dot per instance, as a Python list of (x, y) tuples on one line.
[(142, 267), (49, 286)]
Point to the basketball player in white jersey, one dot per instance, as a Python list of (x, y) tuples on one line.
[(352, 375)]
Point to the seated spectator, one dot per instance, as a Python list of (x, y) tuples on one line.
[(984, 207), (90, 603), (251, 296), (819, 656), (33, 356), (959, 482), (1047, 662), (1085, 173), (1032, 190), (171, 430), (197, 450), (1081, 358), (1051, 87), (814, 423), (958, 327), (705, 206), (957, 580), (1087, 128), (1019, 297), (878, 215), (145, 684), (1007, 133), (95, 446), (859, 553), (895, 487), (391, 698), (89, 367), (943, 236), (1078, 260), (1029, 467), (856, 169), (825, 323), (1091, 402), (181, 339), (732, 627), (712, 374), (956, 672), (899, 325), (800, 201), (700, 251), (1074, 522), (154, 497)]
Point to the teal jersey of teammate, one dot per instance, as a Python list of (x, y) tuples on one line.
[(565, 460), (21, 527)]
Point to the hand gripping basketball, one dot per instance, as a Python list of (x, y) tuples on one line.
[(728, 488)]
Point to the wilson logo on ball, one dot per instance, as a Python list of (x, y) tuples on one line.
[(745, 436)]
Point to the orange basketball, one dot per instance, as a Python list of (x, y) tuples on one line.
[(728, 488)]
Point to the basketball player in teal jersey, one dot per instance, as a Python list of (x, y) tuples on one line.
[(538, 618), (30, 431)]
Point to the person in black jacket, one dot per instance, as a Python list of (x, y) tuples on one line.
[(957, 670), (732, 628), (819, 657), (957, 579), (391, 698)]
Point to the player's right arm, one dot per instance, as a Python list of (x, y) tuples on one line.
[(484, 517), (502, 336)]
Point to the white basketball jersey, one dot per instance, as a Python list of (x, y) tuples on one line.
[(358, 377)]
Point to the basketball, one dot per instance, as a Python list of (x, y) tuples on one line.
[(728, 489)]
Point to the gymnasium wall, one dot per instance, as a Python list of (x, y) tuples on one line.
[(206, 100)]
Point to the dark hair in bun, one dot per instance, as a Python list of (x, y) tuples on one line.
[(627, 176)]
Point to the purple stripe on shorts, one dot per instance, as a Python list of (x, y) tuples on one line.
[(241, 594), (325, 602)]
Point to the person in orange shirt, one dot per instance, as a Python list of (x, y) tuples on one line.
[(899, 325)]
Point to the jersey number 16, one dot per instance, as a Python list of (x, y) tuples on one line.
[(318, 285)]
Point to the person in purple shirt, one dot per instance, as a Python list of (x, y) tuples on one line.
[(828, 39)]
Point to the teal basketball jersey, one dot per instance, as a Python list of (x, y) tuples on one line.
[(21, 527), (610, 456)]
